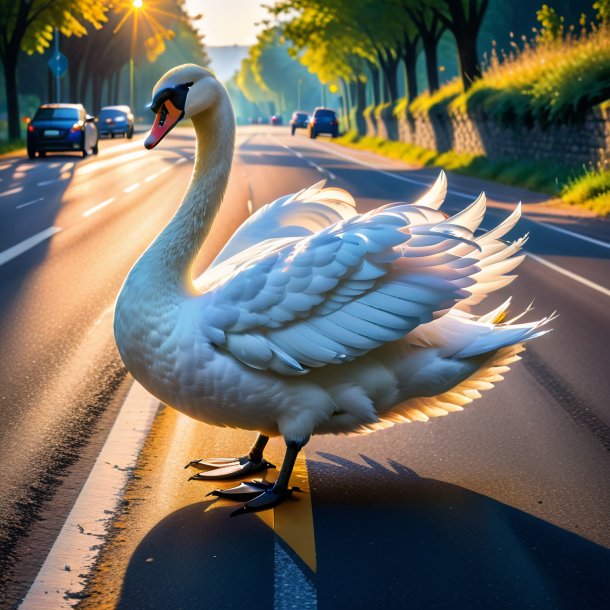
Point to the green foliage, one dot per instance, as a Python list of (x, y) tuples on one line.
[(7, 147), (590, 188), (602, 8), (551, 24), (439, 100), (35, 32), (549, 83)]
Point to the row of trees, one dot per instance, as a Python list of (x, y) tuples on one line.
[(271, 81), (371, 50), (98, 38)]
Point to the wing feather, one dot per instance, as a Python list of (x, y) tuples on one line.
[(352, 282)]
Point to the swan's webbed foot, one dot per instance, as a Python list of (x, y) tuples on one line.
[(228, 468), (270, 498), (259, 495)]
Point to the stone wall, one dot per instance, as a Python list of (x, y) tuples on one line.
[(571, 145)]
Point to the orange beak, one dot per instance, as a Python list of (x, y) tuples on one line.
[(165, 119)]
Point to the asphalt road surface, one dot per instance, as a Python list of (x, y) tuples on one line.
[(502, 506)]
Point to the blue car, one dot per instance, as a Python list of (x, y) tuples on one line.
[(60, 128), (115, 121)]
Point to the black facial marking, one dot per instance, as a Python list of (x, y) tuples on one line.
[(177, 95)]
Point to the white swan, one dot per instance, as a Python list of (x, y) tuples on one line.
[(313, 319)]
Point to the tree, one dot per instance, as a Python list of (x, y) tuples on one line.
[(463, 19), (98, 59), (430, 28), (28, 25)]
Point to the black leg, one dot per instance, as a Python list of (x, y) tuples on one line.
[(277, 493), (229, 468)]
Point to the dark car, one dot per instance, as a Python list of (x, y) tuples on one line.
[(276, 119), (115, 121), (323, 120), (62, 127), (299, 119)]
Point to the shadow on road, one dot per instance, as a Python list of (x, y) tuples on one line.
[(386, 538)]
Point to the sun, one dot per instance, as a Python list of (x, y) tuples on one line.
[(137, 3)]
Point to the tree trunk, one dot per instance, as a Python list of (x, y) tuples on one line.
[(12, 98), (346, 104), (390, 69), (467, 53), (430, 51), (96, 94), (115, 88), (409, 59), (360, 106), (375, 84)]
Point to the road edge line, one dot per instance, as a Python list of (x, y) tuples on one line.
[(77, 546)]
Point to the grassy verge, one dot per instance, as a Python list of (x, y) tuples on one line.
[(7, 147), (588, 189), (538, 81)]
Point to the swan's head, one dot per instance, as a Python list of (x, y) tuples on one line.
[(181, 93)]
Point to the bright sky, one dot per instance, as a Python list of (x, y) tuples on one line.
[(228, 22)]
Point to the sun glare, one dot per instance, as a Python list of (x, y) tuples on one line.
[(137, 3)]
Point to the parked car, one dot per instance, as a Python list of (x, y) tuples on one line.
[(276, 119), (323, 120), (62, 127), (299, 119), (115, 120)]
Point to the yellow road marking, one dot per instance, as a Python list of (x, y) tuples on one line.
[(292, 520)]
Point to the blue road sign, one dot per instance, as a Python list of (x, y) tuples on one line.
[(58, 64)]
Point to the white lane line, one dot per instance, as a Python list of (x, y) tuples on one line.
[(23, 205), (27, 244), (597, 242), (132, 188), (98, 207), (77, 546), (309, 162), (165, 169), (573, 276), (11, 191), (181, 160), (46, 182), (151, 177), (54, 165), (465, 196), (250, 207), (66, 167)]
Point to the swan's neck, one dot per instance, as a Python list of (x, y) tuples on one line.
[(168, 260)]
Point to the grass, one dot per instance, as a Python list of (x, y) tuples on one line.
[(543, 81), (7, 147), (589, 189)]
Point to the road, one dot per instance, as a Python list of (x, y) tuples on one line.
[(503, 504)]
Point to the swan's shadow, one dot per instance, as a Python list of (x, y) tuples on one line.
[(385, 538)]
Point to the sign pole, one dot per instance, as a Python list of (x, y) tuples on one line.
[(57, 91)]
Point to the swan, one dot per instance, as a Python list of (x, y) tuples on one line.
[(313, 318)]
